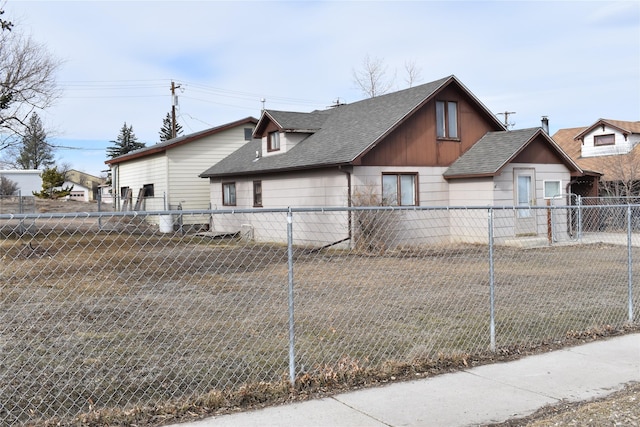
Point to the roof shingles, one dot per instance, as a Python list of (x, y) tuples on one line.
[(494, 150), (345, 132)]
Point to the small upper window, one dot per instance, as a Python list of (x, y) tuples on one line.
[(447, 119), (609, 139), (552, 189), (229, 194), (273, 143)]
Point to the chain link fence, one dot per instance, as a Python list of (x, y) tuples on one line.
[(107, 313), (611, 213), (17, 204)]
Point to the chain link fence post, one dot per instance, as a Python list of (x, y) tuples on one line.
[(491, 284), (292, 355), (579, 218), (629, 264)]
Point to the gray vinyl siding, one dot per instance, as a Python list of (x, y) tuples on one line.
[(499, 191), (301, 189), (139, 172), (433, 189), (187, 161)]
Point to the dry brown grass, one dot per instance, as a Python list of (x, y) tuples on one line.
[(115, 329)]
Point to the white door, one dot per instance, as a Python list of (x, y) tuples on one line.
[(524, 197)]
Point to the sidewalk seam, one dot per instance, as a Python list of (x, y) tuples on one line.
[(335, 399)]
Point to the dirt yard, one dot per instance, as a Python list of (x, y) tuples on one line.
[(122, 328), (63, 206)]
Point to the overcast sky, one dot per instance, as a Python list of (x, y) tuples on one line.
[(574, 62)]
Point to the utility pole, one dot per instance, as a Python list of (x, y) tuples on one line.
[(174, 102), (506, 115)]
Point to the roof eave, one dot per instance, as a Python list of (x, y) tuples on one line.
[(274, 171), (145, 153), (180, 141), (481, 104), (471, 175), (567, 159), (603, 122), (436, 91), (561, 152)]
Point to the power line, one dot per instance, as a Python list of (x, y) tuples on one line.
[(249, 95), (186, 86), (114, 96)]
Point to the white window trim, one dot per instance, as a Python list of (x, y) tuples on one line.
[(544, 188)]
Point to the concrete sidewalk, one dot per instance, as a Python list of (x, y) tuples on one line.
[(477, 396)]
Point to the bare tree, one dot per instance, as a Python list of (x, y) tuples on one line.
[(414, 73), (4, 24), (27, 82), (621, 174), (372, 78)]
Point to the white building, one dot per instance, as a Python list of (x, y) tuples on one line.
[(29, 180)]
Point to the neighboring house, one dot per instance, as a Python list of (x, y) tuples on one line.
[(431, 145), (78, 192), (610, 148), (85, 186), (28, 180), (106, 193), (165, 175)]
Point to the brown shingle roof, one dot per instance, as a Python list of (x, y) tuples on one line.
[(613, 167), (624, 127)]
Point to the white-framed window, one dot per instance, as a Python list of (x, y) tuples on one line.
[(399, 189), (608, 139), (552, 188), (273, 141), (447, 120), (228, 193)]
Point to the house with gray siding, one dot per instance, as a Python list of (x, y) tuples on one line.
[(165, 175), (431, 145)]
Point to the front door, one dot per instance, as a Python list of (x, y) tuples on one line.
[(524, 197)]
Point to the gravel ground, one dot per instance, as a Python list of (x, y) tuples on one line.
[(621, 408)]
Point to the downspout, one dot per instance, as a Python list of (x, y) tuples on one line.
[(167, 192), (349, 203), (115, 186), (570, 213)]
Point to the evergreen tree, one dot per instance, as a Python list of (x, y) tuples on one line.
[(52, 181), (34, 152), (126, 143), (167, 128)]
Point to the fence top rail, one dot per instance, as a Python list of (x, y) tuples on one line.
[(610, 197), (144, 214)]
